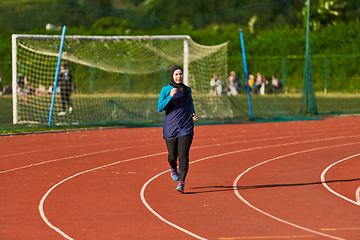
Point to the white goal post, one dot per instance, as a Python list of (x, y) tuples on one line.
[(106, 67)]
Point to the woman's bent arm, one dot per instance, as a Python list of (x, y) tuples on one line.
[(164, 99)]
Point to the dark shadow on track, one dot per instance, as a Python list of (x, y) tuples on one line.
[(221, 188)]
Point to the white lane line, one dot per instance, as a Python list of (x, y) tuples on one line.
[(213, 145), (142, 192), (71, 157), (357, 202), (357, 195), (41, 204), (143, 189), (237, 193), (66, 147), (142, 195), (277, 138)]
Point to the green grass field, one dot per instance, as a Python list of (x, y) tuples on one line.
[(140, 110)]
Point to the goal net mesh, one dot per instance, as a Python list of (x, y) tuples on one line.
[(115, 79)]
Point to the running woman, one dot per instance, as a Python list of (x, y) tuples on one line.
[(178, 128)]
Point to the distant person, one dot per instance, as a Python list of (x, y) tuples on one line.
[(65, 81), (51, 89), (251, 82), (258, 79), (264, 84), (22, 82), (232, 84), (276, 84), (22, 85), (258, 82), (30, 89), (40, 90), (8, 89), (216, 86)]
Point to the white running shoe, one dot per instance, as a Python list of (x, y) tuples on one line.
[(61, 113), (70, 109)]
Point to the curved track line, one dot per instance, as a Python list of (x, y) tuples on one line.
[(224, 154), (357, 195), (268, 214), (143, 189), (158, 215), (336, 193), (142, 197), (41, 204)]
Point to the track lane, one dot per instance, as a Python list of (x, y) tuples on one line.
[(202, 183)]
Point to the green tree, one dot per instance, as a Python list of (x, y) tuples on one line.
[(323, 13)]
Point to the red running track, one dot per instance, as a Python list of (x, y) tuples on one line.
[(284, 180)]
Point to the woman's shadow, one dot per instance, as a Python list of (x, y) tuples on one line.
[(222, 188)]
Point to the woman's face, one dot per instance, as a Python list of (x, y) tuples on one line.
[(178, 76)]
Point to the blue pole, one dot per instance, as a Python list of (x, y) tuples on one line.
[(57, 74), (246, 71)]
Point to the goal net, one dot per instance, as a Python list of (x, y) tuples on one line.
[(116, 80)]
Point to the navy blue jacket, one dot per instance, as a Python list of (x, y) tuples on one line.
[(178, 110)]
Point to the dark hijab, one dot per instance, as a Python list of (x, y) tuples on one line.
[(181, 87)]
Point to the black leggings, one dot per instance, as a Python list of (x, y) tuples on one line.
[(65, 97), (179, 147)]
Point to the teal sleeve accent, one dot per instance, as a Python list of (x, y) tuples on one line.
[(164, 98)]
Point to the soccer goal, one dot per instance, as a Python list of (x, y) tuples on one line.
[(116, 79)]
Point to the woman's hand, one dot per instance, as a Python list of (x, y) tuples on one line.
[(195, 117), (173, 91)]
